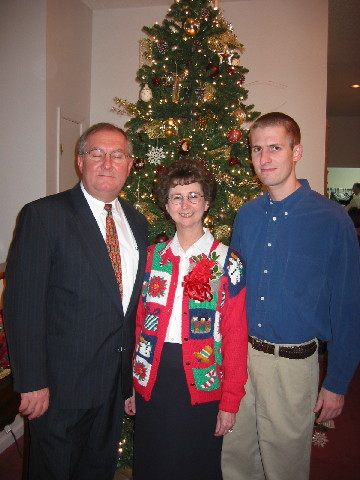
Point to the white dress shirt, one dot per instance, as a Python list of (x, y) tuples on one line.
[(129, 251), (203, 245)]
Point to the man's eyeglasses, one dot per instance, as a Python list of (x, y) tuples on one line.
[(98, 155), (177, 198)]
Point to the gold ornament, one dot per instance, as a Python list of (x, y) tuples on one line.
[(203, 120), (224, 178), (235, 201), (220, 153), (145, 52), (209, 222), (154, 130), (125, 108), (143, 208), (240, 116), (177, 84), (209, 92), (170, 127), (191, 27), (235, 62), (222, 42), (222, 232)]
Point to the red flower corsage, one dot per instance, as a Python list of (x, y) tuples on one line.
[(197, 282)]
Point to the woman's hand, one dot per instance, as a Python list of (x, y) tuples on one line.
[(130, 408), (225, 422)]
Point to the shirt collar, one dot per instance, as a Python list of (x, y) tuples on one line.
[(97, 205), (203, 245), (288, 203)]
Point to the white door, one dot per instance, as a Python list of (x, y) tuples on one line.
[(70, 131)]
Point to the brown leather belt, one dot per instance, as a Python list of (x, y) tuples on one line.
[(293, 352)]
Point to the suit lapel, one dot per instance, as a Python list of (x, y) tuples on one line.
[(94, 245)]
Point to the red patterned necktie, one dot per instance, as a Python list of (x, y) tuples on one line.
[(112, 244)]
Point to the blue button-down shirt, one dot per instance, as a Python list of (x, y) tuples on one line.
[(303, 276)]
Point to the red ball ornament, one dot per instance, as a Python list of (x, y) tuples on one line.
[(161, 237), (234, 135), (159, 168), (213, 70), (156, 81), (231, 71), (233, 161)]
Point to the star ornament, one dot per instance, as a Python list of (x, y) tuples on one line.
[(155, 155), (320, 439), (226, 56)]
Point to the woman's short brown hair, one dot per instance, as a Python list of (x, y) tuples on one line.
[(184, 172)]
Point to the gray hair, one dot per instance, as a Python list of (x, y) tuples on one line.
[(98, 127)]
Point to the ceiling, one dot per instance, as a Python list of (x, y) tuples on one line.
[(343, 50)]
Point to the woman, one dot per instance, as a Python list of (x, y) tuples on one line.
[(190, 359)]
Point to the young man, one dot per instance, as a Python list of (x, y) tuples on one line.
[(70, 322), (301, 254)]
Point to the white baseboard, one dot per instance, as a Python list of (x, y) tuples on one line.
[(6, 439)]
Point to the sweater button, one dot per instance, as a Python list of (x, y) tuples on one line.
[(186, 339), (192, 384), (187, 363)]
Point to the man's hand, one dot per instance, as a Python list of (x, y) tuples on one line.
[(34, 404), (329, 405)]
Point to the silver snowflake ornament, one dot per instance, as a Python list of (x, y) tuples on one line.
[(319, 439), (155, 155)]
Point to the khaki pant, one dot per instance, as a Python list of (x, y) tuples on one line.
[(272, 436)]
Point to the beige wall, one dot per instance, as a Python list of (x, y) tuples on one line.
[(45, 61), (22, 110), (286, 53)]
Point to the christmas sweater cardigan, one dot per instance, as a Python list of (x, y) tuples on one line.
[(214, 333)]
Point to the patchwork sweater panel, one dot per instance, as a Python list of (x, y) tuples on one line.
[(212, 371)]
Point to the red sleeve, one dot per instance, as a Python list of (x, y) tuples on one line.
[(234, 347)]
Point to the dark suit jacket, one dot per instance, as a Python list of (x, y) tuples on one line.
[(62, 310)]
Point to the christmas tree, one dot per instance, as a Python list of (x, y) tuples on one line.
[(192, 105)]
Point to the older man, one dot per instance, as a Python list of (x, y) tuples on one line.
[(73, 276)]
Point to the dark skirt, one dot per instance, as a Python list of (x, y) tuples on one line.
[(175, 440)]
